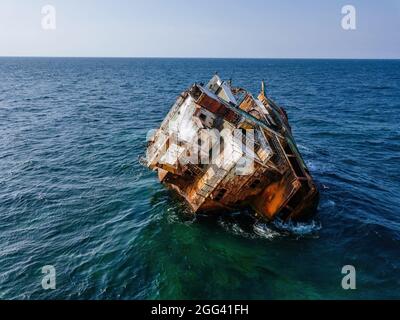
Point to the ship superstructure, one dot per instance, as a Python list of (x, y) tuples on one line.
[(222, 149)]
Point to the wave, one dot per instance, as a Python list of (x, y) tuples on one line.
[(270, 230), (264, 231), (298, 228), (380, 87)]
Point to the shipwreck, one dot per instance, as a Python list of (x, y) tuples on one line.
[(224, 150)]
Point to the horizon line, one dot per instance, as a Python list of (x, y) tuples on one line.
[(198, 58)]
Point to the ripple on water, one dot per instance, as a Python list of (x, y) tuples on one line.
[(73, 193)]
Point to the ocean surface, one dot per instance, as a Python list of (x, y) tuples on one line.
[(74, 195)]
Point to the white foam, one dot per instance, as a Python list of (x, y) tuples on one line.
[(263, 231), (300, 229)]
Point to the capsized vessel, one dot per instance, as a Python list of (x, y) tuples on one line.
[(222, 149)]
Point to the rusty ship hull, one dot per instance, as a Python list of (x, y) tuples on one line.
[(222, 149)]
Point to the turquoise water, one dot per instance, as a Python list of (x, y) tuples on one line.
[(74, 195)]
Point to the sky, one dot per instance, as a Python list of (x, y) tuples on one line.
[(202, 28)]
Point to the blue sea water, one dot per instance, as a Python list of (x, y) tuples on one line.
[(74, 195)]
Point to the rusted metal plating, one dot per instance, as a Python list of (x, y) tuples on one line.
[(222, 149)]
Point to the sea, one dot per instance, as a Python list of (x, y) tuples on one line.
[(77, 205)]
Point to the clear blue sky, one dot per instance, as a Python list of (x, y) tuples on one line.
[(202, 28)]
